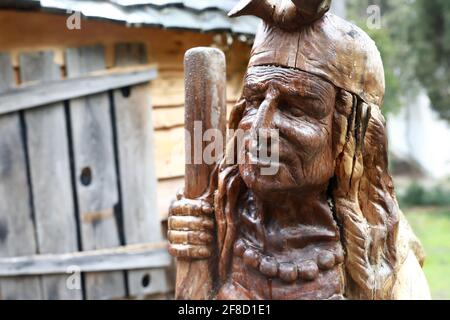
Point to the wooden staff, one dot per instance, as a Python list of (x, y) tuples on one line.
[(205, 103)]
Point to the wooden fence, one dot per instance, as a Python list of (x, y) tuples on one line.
[(77, 178)]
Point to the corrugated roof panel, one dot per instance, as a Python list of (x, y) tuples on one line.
[(245, 25), (146, 17), (200, 5), (215, 21), (97, 9), (174, 18), (197, 15)]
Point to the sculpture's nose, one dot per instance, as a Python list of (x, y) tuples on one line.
[(261, 130), (266, 111)]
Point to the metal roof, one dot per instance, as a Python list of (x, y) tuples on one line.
[(224, 5), (195, 15)]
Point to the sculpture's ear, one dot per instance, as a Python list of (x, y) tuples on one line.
[(260, 8)]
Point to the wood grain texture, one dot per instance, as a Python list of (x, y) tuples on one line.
[(36, 94), (173, 117), (169, 152), (205, 79), (135, 142), (169, 143), (166, 189), (95, 171), (16, 215), (168, 88), (42, 30), (168, 118), (48, 154), (130, 257)]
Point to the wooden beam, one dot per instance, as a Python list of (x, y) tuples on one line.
[(132, 257), (35, 95), (17, 235)]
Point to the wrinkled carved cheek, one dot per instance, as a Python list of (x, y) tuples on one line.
[(248, 167), (308, 145), (247, 137)]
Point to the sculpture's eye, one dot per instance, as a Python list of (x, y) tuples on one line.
[(301, 106), (290, 108), (295, 111), (250, 92), (252, 106)]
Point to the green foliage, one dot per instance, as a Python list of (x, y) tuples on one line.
[(432, 226), (392, 41), (431, 40), (414, 196), (392, 98), (418, 196), (414, 42)]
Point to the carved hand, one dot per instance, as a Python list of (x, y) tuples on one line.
[(191, 227)]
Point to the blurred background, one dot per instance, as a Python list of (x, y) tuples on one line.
[(125, 38)]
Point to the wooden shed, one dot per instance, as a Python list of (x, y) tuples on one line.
[(92, 139)]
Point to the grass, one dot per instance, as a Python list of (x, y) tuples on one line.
[(432, 226)]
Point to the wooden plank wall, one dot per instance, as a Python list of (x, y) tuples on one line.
[(78, 176)]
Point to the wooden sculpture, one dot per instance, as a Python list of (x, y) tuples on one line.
[(327, 224)]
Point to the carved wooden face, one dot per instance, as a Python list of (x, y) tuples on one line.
[(300, 106)]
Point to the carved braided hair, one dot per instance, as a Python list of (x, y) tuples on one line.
[(364, 199)]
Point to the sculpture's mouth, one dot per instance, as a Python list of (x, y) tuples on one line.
[(263, 162)]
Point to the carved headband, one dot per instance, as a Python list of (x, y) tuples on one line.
[(301, 34)]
